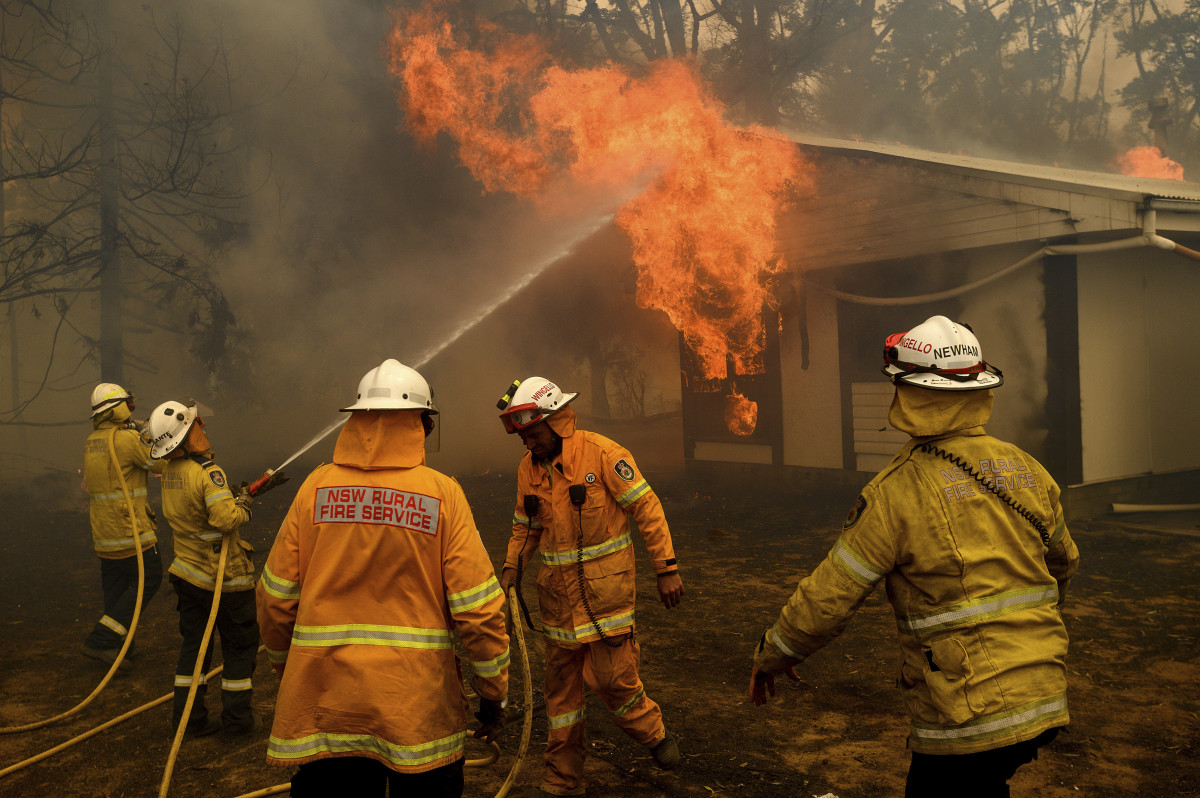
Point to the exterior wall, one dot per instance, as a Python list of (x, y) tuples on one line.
[(821, 403), (1007, 316), (1139, 396), (812, 405), (875, 440)]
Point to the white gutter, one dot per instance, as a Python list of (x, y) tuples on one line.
[(1153, 508), (1148, 238)]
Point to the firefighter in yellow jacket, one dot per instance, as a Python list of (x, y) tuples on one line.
[(377, 568), (115, 453), (203, 511), (967, 533), (576, 492)]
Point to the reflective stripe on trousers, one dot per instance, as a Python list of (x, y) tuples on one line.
[(610, 673)]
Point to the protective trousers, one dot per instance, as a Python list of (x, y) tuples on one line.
[(981, 775), (612, 674), (237, 625), (119, 582), (369, 778)]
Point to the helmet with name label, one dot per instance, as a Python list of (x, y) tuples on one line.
[(393, 386), (107, 395), (169, 424), (939, 354), (532, 400)]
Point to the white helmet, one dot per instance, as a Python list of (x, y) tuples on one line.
[(393, 386), (107, 395), (169, 424), (531, 401), (939, 354)]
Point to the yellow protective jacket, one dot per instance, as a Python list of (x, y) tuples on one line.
[(975, 591), (376, 568), (615, 491), (112, 536), (198, 504)]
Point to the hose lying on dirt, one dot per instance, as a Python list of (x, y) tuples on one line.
[(137, 607), (91, 733)]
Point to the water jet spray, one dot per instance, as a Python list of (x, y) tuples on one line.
[(264, 482)]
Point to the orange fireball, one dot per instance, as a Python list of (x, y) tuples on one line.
[(1149, 162), (741, 414), (703, 225)]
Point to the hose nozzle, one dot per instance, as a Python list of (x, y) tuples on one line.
[(254, 487)]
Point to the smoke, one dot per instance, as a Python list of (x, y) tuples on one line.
[(357, 245), (354, 245)]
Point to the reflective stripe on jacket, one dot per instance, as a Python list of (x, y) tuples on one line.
[(112, 536), (975, 592), (198, 504), (615, 490), (375, 570)]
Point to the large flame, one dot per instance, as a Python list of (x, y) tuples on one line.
[(1148, 162), (702, 229), (741, 414)]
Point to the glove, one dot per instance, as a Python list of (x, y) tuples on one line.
[(244, 499), (491, 719), (769, 662), (508, 578)]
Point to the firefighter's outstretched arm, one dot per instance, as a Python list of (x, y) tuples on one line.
[(769, 662)]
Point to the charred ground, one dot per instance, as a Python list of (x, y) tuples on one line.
[(1133, 614)]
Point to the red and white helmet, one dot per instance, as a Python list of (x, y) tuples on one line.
[(107, 395), (939, 354), (533, 400)]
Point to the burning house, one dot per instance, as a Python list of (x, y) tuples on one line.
[(1062, 274), (782, 262)]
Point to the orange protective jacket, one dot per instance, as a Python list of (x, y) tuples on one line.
[(614, 491), (376, 567)]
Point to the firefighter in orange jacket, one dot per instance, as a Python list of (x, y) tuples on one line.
[(967, 532), (376, 567), (576, 492)]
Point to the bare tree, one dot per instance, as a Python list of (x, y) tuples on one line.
[(123, 183), (1165, 46), (1005, 75), (628, 381), (753, 51)]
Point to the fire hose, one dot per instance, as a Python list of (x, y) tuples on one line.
[(527, 724), (137, 607), (526, 727), (93, 732), (258, 485), (204, 642)]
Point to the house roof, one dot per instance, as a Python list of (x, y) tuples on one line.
[(1105, 182), (878, 202)]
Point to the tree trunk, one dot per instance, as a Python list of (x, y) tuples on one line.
[(14, 351), (112, 352), (672, 15), (599, 375)]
